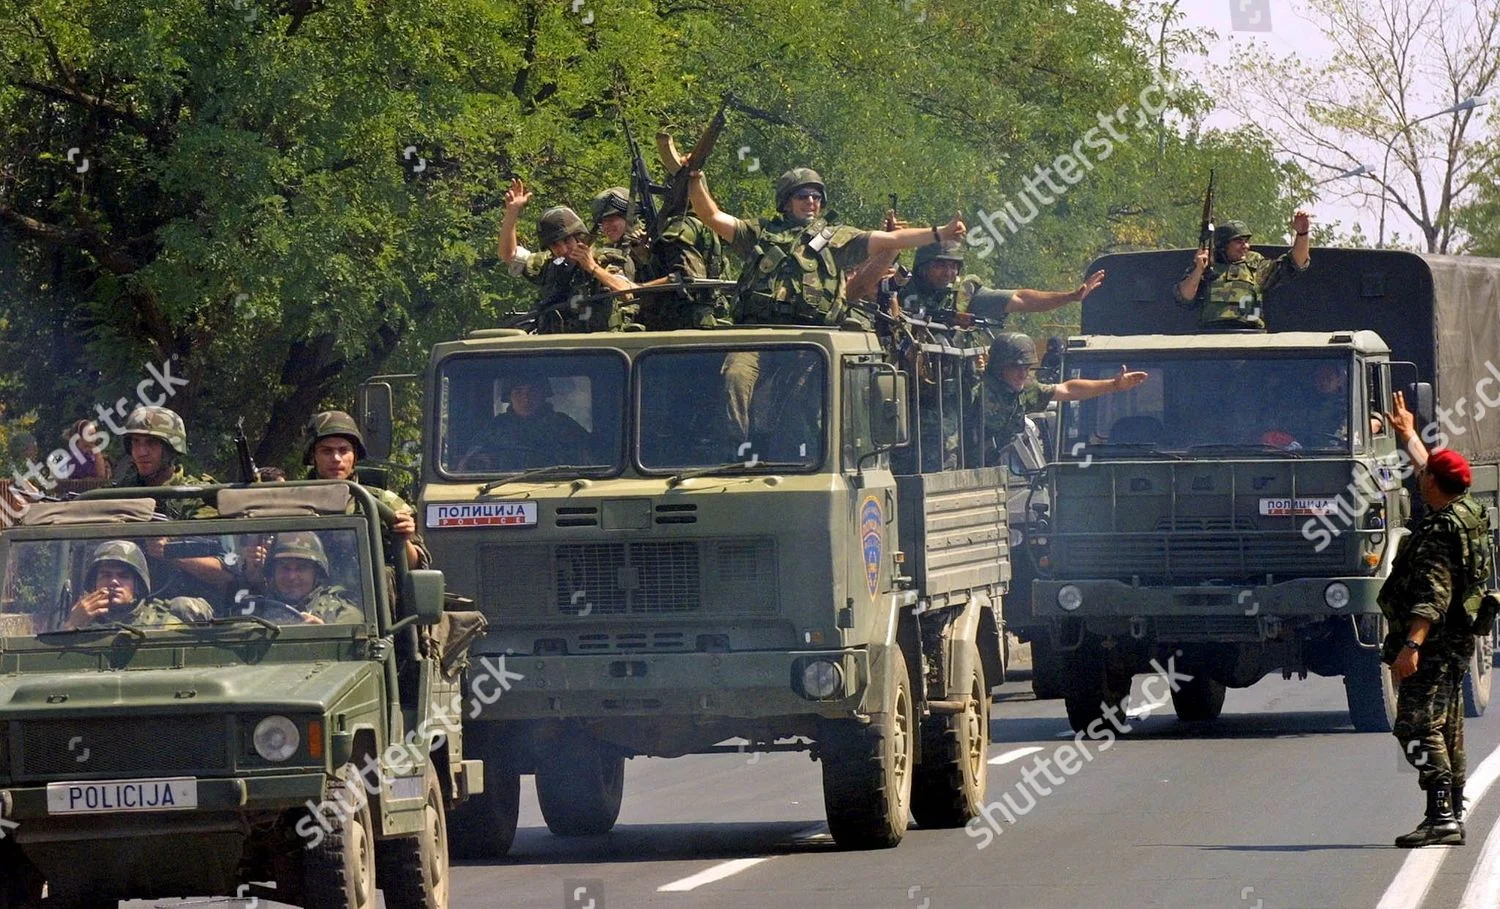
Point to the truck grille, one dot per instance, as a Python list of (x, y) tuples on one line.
[(1193, 555), (155, 745), (648, 577)]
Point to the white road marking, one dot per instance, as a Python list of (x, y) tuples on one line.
[(1016, 754), (1412, 882), (1483, 891), (708, 876)]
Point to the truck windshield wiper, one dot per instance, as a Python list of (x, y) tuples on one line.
[(1142, 447), (735, 465), (134, 631), (1260, 447), (535, 472)]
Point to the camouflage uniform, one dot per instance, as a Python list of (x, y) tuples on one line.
[(1438, 575), (686, 247), (166, 426), (337, 423), (330, 602), (1005, 409), (1230, 295), (561, 282), (145, 610)]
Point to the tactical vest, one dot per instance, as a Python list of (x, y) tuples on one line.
[(918, 296), (1234, 294), (792, 278), (1464, 522)]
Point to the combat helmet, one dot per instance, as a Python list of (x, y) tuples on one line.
[(301, 544), (950, 251), (612, 201), (1230, 230), (158, 423), (1013, 348), (795, 179), (127, 554), (559, 223), (333, 423)]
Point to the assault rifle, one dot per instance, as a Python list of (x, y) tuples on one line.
[(675, 202), (1206, 226), (242, 451), (642, 190)]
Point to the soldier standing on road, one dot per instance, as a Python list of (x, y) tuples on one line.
[(937, 286), (1429, 600), (569, 271), (334, 447), (119, 585), (1011, 392), (1231, 295)]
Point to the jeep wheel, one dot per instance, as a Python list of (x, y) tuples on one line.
[(1369, 689), (1046, 668), (1091, 686), (1478, 681), (413, 870), (579, 785), (867, 769), (1199, 699), (339, 872), (948, 786), (20, 882), (484, 827)]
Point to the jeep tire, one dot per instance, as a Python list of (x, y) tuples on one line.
[(413, 870)]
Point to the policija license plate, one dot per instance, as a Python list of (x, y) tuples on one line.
[(122, 795)]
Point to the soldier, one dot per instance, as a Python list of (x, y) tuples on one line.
[(1231, 295), (686, 247), (1430, 598), (936, 286), (620, 231), (1011, 392), (530, 433), (119, 586), (569, 271), (299, 578), (155, 441), (334, 446)]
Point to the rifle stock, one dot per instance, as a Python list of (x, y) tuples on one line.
[(675, 202)]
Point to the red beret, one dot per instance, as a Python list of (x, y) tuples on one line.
[(1450, 465)]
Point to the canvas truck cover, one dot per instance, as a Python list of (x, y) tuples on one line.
[(1440, 312)]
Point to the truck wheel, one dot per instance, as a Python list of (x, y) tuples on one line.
[(1046, 669), (579, 785), (1478, 681), (1091, 686), (1199, 699), (1369, 689), (949, 784), (20, 882), (413, 870), (339, 872), (867, 770), (484, 827)]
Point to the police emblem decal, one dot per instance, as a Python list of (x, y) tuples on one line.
[(871, 530)]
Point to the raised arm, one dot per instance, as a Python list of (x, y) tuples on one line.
[(1404, 425), (1301, 244), (1187, 288), (515, 199), (884, 241), (1083, 389), (707, 209), (1027, 300)]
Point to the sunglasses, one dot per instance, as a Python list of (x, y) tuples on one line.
[(808, 196)]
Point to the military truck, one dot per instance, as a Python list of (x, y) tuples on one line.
[(673, 558), (1239, 511), (192, 747)]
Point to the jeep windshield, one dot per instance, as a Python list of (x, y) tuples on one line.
[(503, 414), (139, 580), (723, 411), (1190, 405)]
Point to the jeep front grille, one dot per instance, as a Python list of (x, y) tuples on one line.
[(151, 746)]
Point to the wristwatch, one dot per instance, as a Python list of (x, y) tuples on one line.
[(1413, 644)]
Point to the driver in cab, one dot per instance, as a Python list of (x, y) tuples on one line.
[(530, 432), (119, 585), (297, 578)]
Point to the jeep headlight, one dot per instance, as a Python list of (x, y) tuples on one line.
[(276, 738), (1336, 595), (1069, 597), (821, 679)]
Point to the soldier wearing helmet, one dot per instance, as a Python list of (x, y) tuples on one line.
[(569, 271), (334, 447), (1232, 293), (299, 577), (1011, 391), (619, 229), (118, 585), (156, 441), (937, 285)]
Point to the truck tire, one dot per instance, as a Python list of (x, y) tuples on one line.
[(1091, 685), (580, 785), (20, 882), (339, 872), (413, 870), (1369, 689), (1198, 700), (1480, 677), (948, 786), (484, 827), (867, 770), (1046, 668)]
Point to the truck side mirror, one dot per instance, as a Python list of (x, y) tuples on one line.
[(422, 595), (890, 423), (1422, 396), (373, 403)]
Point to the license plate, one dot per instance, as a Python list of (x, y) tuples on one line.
[(482, 514), (172, 794), (1297, 507)]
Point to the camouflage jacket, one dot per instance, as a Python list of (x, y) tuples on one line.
[(1234, 296), (567, 285), (1005, 409), (1439, 575), (398, 505), (686, 247), (176, 509), (155, 611), (966, 294), (333, 604), (795, 273)]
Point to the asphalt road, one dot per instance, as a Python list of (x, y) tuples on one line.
[(1278, 805)]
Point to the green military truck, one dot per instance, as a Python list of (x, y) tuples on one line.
[(156, 745), (1239, 511), (686, 537)]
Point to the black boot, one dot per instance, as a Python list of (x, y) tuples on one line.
[(1439, 828), (1458, 813)]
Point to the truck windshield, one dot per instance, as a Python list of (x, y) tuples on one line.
[(503, 413), (144, 583), (742, 408), (1271, 406)]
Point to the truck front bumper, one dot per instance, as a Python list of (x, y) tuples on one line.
[(225, 798)]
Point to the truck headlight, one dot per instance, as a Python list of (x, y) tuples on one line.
[(821, 679), (1069, 597), (276, 738), (1336, 595)]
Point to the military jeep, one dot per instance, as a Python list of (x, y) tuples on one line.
[(202, 734)]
